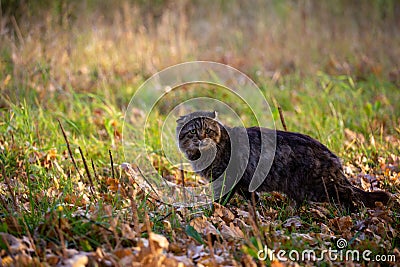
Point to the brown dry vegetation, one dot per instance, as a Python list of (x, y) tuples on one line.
[(88, 45)]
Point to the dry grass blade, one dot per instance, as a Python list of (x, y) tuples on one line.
[(70, 151), (281, 117), (88, 174), (94, 170), (112, 164), (326, 190)]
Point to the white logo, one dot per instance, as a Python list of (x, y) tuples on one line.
[(149, 129), (341, 243)]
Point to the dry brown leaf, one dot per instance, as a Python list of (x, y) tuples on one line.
[(292, 222), (176, 249), (342, 224), (365, 184), (306, 238), (183, 260), (112, 184), (52, 259), (127, 231), (242, 213), (151, 260), (129, 261), (203, 226), (351, 135), (317, 214), (248, 261), (159, 241), (7, 261), (173, 262), (276, 263), (78, 260), (14, 244), (325, 230), (25, 260), (231, 232), (123, 252), (223, 212), (208, 260)]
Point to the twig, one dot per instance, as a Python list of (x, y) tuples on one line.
[(69, 151), (326, 190), (147, 181), (337, 195), (94, 171), (112, 164), (88, 173), (281, 117)]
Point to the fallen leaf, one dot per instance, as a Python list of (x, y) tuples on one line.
[(276, 263), (159, 241), (341, 224), (203, 226), (223, 212), (293, 222), (123, 252), (77, 260), (231, 232)]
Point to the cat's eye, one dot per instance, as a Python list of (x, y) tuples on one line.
[(193, 131), (208, 130)]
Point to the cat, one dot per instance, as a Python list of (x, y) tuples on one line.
[(300, 167)]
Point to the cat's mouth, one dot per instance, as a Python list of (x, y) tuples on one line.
[(205, 144)]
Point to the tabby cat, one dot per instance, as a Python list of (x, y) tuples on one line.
[(300, 167)]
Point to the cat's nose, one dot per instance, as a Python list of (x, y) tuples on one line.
[(205, 142)]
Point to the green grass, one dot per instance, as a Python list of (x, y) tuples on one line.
[(42, 178)]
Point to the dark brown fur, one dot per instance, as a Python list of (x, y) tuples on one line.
[(302, 168)]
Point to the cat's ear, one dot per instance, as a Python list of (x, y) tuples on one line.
[(215, 114), (182, 119)]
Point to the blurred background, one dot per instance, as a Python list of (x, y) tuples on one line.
[(51, 45)]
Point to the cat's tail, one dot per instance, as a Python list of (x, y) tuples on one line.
[(369, 198)]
